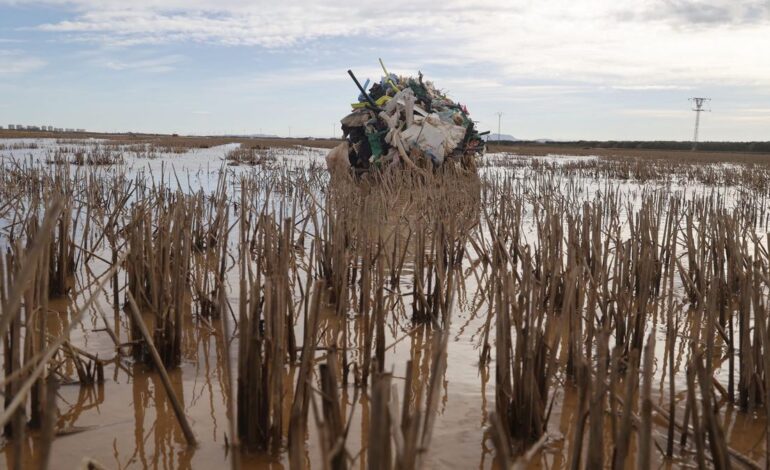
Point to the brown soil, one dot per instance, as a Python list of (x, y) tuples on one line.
[(651, 154)]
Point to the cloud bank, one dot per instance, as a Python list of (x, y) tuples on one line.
[(586, 58), (661, 43)]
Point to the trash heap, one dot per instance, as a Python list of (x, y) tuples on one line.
[(405, 120)]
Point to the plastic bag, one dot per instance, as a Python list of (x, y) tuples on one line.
[(337, 158)]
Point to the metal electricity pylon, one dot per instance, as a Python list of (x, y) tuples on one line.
[(698, 108)]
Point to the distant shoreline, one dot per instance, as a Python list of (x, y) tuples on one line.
[(742, 152)]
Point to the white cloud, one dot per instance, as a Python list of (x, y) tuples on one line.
[(707, 13), (718, 119), (650, 87), (230, 23), (519, 54), (14, 62), (746, 115), (154, 65), (667, 43), (664, 113)]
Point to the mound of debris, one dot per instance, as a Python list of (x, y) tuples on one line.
[(405, 120)]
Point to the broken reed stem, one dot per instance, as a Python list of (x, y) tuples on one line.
[(176, 405), (716, 438), (623, 437), (400, 434), (333, 418), (379, 449), (698, 435), (48, 428), (645, 433), (595, 458), (299, 409)]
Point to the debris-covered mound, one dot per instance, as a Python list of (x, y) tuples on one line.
[(405, 120)]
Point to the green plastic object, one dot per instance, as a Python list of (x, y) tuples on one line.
[(375, 142)]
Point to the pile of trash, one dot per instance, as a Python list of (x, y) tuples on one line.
[(405, 120)]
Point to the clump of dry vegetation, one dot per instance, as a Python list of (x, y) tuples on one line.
[(250, 156), (19, 146), (158, 267), (96, 156)]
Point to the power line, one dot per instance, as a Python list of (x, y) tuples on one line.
[(698, 108)]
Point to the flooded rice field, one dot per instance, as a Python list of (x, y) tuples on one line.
[(239, 307)]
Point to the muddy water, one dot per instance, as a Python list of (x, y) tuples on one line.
[(128, 422)]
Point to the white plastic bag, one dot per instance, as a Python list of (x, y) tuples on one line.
[(337, 158)]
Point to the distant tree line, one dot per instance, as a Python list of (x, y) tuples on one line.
[(758, 147)]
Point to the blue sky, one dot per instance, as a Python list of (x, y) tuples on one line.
[(599, 69)]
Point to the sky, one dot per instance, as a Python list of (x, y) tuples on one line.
[(558, 69)]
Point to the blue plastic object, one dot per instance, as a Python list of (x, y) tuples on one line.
[(361, 97)]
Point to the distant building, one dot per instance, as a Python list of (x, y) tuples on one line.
[(11, 126), (81, 130)]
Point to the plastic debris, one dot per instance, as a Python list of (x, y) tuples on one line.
[(406, 120), (337, 158)]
